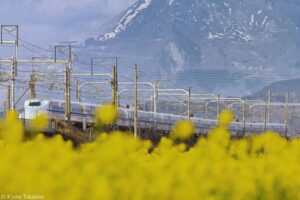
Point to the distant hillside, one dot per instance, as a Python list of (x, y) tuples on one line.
[(279, 89), (224, 46)]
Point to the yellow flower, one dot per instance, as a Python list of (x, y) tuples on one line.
[(118, 166), (226, 118), (183, 130), (107, 114), (13, 130), (40, 122)]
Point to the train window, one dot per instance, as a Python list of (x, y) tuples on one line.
[(77, 110), (37, 103), (57, 108)]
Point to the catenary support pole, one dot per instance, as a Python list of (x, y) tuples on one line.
[(114, 86), (68, 94), (189, 104), (8, 107), (135, 101), (32, 86), (78, 95), (244, 117), (269, 107), (12, 89), (117, 82), (181, 108), (265, 117), (286, 114), (206, 109), (218, 107)]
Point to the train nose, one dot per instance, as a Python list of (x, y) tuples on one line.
[(31, 114)]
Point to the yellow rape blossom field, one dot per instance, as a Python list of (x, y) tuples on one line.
[(118, 166)]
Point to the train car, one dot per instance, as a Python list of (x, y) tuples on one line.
[(86, 112), (33, 107)]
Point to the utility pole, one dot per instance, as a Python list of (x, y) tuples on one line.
[(181, 108), (206, 109), (5, 108), (68, 85), (13, 79), (114, 86), (8, 106), (189, 103), (155, 96), (286, 114), (78, 95), (16, 56), (265, 117), (152, 104), (92, 66), (218, 107), (135, 101), (32, 86), (287, 97), (68, 93), (116, 83), (244, 117), (251, 114), (269, 107)]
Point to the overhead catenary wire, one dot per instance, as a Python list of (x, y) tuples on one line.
[(204, 76)]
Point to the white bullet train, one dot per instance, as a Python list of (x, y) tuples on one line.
[(161, 121)]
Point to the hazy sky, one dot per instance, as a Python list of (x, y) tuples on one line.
[(47, 21)]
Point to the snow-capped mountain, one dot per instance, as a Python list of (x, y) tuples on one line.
[(232, 47)]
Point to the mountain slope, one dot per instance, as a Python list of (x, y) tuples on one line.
[(280, 89), (231, 47)]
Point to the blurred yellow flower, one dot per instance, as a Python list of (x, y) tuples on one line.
[(118, 166), (183, 130), (107, 114), (226, 118), (40, 122), (12, 128)]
